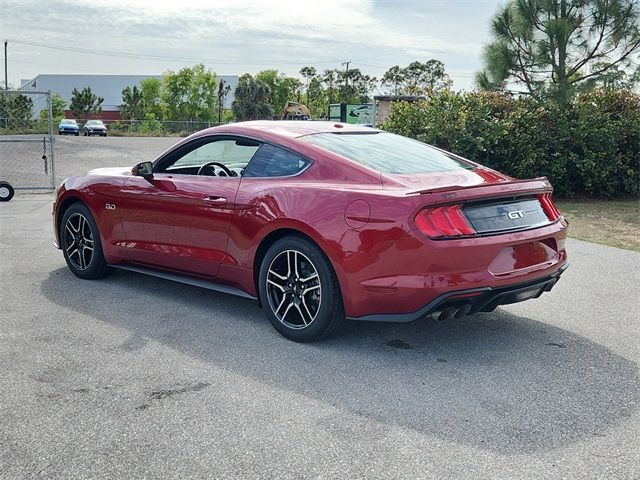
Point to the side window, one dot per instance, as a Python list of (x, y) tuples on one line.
[(270, 161), (232, 153)]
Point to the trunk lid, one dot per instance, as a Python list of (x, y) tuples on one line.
[(463, 186), (450, 180), (491, 202)]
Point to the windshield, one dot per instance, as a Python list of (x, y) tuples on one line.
[(72, 122), (388, 153), (94, 122)]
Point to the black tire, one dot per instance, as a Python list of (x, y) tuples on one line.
[(76, 251), (317, 312), (77, 133), (6, 192)]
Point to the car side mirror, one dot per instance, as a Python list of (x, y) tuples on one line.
[(143, 169)]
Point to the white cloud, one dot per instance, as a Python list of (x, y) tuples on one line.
[(248, 35)]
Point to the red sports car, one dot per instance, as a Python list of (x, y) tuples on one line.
[(319, 222)]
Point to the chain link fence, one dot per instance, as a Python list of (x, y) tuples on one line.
[(155, 127), (26, 140)]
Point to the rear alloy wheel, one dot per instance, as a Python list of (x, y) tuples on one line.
[(6, 192), (80, 242), (299, 290)]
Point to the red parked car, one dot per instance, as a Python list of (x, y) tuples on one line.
[(319, 222)]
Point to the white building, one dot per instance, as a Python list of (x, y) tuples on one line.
[(108, 87)]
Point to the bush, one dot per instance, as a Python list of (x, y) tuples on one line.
[(149, 125), (589, 147), (119, 127)]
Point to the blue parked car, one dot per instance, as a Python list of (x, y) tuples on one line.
[(68, 126)]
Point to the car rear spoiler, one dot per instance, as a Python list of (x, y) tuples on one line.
[(510, 188)]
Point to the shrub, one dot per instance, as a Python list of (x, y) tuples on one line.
[(590, 147), (119, 127), (149, 124)]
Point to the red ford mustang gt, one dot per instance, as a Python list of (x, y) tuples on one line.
[(320, 222)]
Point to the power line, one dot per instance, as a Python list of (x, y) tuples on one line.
[(105, 72), (154, 57), (166, 57)]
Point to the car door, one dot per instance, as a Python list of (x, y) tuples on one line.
[(179, 219)]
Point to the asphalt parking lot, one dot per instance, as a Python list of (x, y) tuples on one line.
[(134, 376)]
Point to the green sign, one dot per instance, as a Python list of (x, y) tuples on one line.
[(360, 114)]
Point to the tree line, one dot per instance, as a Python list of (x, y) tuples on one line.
[(197, 94)]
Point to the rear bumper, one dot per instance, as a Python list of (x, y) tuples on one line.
[(482, 299), (403, 276)]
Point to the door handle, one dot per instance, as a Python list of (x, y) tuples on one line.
[(215, 200)]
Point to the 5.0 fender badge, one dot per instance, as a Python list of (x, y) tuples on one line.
[(109, 206)]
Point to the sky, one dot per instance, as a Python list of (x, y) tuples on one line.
[(238, 36)]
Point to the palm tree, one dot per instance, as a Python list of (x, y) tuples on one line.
[(330, 78), (308, 73), (252, 100)]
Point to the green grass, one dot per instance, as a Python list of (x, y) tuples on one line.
[(609, 222)]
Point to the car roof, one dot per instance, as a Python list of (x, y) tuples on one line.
[(289, 128)]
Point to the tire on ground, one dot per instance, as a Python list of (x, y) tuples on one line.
[(330, 315), (97, 266)]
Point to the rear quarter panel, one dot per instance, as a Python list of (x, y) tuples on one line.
[(355, 225)]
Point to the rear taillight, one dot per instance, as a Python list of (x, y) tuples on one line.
[(549, 208), (442, 222)]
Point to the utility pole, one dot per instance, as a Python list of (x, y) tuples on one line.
[(346, 73), (6, 82)]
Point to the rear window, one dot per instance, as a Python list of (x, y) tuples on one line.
[(388, 153)]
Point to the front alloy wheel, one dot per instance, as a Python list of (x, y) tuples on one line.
[(299, 290), (80, 243)]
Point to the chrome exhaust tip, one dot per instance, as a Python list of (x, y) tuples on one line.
[(447, 314), (462, 311)]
